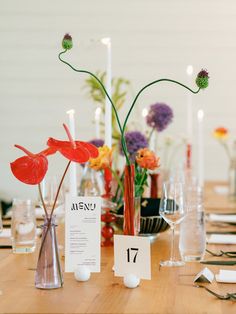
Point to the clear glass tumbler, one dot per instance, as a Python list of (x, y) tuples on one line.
[(192, 242), (23, 226)]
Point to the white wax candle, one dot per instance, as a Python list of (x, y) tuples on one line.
[(108, 107), (73, 177), (97, 117), (189, 72), (144, 114), (200, 116)]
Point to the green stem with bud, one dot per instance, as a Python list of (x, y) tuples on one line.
[(122, 129)]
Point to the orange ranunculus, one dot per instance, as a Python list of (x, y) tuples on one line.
[(103, 160), (147, 159), (221, 133)]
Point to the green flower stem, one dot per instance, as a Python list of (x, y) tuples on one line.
[(59, 188), (117, 179), (124, 147), (42, 200), (146, 86), (142, 181)]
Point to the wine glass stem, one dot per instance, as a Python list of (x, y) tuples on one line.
[(172, 252)]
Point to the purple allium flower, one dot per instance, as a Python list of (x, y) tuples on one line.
[(159, 116), (202, 79), (97, 142), (134, 141), (67, 42)]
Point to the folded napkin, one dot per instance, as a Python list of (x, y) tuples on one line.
[(222, 238), (6, 233), (221, 189), (228, 276), (222, 218), (39, 212)]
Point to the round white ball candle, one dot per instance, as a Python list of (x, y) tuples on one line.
[(131, 281), (82, 273)]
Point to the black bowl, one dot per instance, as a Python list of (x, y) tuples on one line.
[(150, 221)]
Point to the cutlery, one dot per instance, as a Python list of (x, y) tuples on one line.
[(226, 296), (226, 263), (221, 232), (5, 246), (226, 253)]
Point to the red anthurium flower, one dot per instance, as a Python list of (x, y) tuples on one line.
[(73, 150), (32, 168)]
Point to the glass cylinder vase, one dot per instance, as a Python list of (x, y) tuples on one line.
[(48, 273), (131, 224)]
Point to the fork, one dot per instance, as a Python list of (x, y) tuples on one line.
[(227, 296), (226, 253)]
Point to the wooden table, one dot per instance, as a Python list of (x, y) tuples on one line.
[(170, 291)]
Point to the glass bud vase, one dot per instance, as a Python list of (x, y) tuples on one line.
[(48, 273), (131, 205), (232, 180)]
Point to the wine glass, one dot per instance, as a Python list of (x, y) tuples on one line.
[(172, 209)]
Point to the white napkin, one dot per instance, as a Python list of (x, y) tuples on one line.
[(6, 233), (226, 276), (222, 218), (221, 189), (222, 238)]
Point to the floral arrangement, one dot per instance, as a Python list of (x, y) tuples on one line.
[(221, 134), (130, 189), (201, 81), (32, 168)]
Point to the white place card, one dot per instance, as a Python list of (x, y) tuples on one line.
[(204, 275), (83, 233), (132, 255)]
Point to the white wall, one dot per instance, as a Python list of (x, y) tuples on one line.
[(150, 39)]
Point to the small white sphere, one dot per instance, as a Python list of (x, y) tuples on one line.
[(131, 281), (82, 273)]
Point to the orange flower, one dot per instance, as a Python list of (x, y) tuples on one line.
[(221, 133), (147, 159), (103, 160)]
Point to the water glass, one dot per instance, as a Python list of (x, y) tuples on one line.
[(192, 242), (23, 226), (1, 227)]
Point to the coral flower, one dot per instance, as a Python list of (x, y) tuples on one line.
[(74, 150), (220, 133), (147, 159), (31, 169), (103, 160)]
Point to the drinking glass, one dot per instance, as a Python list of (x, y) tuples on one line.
[(192, 242), (172, 209), (23, 226), (1, 227)]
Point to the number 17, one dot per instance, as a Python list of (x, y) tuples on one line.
[(129, 253)]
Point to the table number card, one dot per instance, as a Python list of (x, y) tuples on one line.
[(132, 256), (83, 233)]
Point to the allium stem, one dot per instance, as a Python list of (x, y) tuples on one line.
[(146, 86), (108, 96)]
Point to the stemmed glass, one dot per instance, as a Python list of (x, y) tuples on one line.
[(172, 209)]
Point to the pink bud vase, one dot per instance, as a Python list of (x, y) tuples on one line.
[(48, 273)]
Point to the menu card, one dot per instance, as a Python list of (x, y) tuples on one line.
[(82, 233)]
